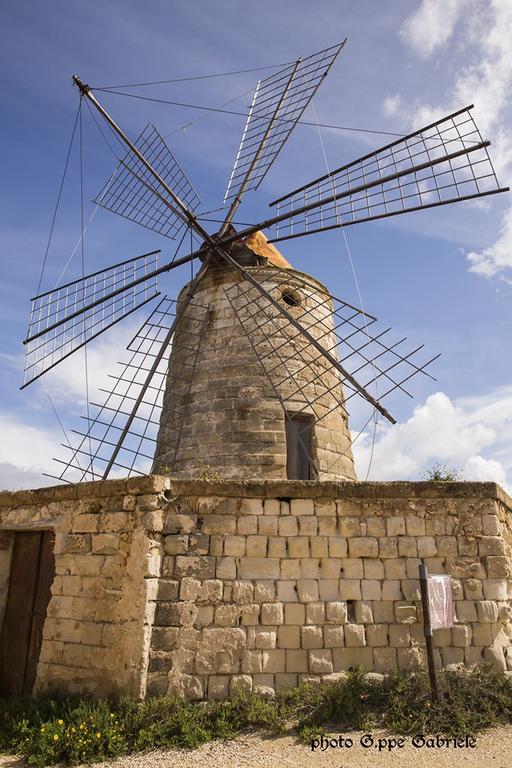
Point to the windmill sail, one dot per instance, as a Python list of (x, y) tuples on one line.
[(444, 162), (382, 366), (67, 318), (278, 104), (133, 192), (94, 449)]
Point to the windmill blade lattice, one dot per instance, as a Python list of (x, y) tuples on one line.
[(278, 104), (133, 192), (382, 366), (67, 318), (95, 447), (444, 162)]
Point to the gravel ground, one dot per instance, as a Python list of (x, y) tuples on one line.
[(493, 748)]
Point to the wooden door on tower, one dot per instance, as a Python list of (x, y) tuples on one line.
[(31, 577)]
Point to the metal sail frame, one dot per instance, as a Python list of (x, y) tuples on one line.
[(216, 248)]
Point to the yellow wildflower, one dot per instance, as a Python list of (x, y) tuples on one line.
[(81, 726), (98, 735), (55, 736)]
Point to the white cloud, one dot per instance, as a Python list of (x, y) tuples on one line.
[(25, 453), (432, 25), (468, 434), (483, 77)]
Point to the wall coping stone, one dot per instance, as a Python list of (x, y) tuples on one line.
[(284, 489)]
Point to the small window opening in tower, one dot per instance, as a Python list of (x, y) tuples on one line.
[(299, 446), (291, 297)]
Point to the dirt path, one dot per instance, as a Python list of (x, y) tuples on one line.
[(493, 750)]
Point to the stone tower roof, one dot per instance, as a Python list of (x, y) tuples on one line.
[(259, 244)]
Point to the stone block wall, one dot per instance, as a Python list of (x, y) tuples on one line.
[(197, 587)]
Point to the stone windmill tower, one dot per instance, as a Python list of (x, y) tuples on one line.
[(253, 366)]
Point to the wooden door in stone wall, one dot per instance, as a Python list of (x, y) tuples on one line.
[(31, 577)]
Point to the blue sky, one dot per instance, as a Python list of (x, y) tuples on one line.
[(443, 277)]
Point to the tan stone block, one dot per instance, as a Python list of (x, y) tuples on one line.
[(227, 615), (495, 589), (315, 613), (442, 637), (216, 545), (264, 685), (205, 615), (319, 546), (363, 612), (311, 637), (427, 546), (348, 658), (370, 589), (296, 661), (375, 526), (273, 661), (310, 568), (498, 567), (377, 635), (350, 589), (495, 657), (176, 614), (189, 589), (251, 507), (308, 526), (415, 525), (240, 684), (435, 526), (325, 508), (287, 591), (265, 591), (234, 546), (466, 547), (331, 567), (481, 634), (473, 589), (447, 546), (466, 611), (267, 526), (395, 569), (302, 507), (412, 659), (411, 589), (452, 656), (219, 524), (259, 568), (290, 569), (271, 507), (399, 636), (405, 613), (87, 523), (256, 546), (384, 659), (247, 526), (333, 636), (288, 526), (102, 544), (307, 590), (243, 592), (252, 661), (354, 636), (294, 613), (407, 546), (226, 568), (288, 636), (200, 567), (391, 590), (277, 546), (373, 569), (491, 545), (395, 526), (338, 547), (412, 567), (465, 567), (265, 638), (490, 525), (211, 592), (328, 526), (298, 546), (285, 681), (353, 568), (272, 613), (473, 655), (350, 526), (336, 612), (363, 546), (320, 661), (461, 635), (328, 589), (284, 508), (388, 547), (250, 614)]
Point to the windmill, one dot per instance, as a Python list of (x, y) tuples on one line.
[(252, 356)]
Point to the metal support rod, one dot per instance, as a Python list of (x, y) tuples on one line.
[(427, 631)]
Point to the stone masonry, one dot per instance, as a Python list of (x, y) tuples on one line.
[(197, 587)]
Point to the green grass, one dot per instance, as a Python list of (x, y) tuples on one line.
[(50, 729)]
